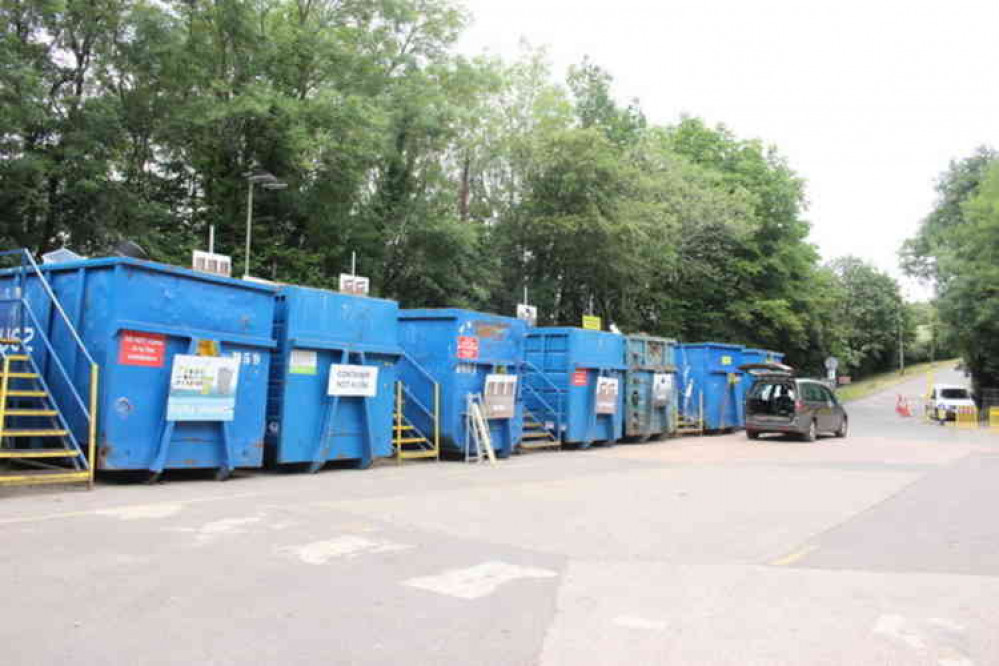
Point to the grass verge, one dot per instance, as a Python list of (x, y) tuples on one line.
[(875, 383)]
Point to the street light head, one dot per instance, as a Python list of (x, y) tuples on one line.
[(276, 185), (260, 177)]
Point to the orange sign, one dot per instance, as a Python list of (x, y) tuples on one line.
[(468, 347), (143, 349)]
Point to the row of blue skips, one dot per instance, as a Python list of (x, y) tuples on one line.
[(320, 373)]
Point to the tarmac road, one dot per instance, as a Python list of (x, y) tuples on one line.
[(879, 549)]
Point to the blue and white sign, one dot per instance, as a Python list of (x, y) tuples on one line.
[(203, 388)]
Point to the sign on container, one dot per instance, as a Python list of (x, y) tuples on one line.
[(203, 388), (607, 390), (353, 381)]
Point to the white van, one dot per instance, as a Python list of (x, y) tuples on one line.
[(944, 401)]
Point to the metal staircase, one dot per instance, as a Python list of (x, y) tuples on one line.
[(43, 418), (688, 421), (542, 410), (536, 434), (415, 426)]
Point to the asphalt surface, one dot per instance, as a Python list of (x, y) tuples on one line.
[(882, 548)]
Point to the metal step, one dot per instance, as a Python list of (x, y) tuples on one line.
[(20, 375), (35, 433), (412, 440), (405, 427), (537, 435), (18, 357), (530, 446), (38, 453), (412, 455), (37, 477), (31, 412), (10, 341), (27, 394)]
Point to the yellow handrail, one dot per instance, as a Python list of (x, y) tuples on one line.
[(397, 430), (3, 396), (92, 446), (437, 420)]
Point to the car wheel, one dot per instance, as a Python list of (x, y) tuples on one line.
[(812, 434), (752, 434), (843, 429)]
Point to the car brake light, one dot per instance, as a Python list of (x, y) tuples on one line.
[(799, 406)]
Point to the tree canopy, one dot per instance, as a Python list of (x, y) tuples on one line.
[(457, 181)]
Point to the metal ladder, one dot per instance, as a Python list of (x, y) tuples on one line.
[(478, 442)]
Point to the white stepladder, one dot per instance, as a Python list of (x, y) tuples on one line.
[(478, 443)]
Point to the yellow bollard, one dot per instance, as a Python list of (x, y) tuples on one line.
[(967, 417)]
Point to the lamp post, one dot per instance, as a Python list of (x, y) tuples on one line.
[(268, 181)]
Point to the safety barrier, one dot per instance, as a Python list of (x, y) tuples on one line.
[(967, 417)]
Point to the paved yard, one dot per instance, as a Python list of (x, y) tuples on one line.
[(879, 549)]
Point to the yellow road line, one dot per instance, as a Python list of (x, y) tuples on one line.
[(791, 558)]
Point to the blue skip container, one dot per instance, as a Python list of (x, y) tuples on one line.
[(710, 379), (460, 349), (136, 318), (650, 395), (332, 379), (574, 381)]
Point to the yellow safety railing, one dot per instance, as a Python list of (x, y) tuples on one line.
[(402, 426), (92, 434), (994, 417), (3, 395)]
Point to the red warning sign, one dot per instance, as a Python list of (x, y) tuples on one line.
[(145, 349), (468, 347), (579, 378)]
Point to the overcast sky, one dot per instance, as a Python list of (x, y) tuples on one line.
[(868, 100)]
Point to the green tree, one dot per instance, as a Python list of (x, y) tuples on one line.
[(957, 248)]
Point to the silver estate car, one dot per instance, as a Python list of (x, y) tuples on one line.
[(778, 402)]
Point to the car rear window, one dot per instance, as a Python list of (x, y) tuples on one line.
[(771, 397), (954, 394)]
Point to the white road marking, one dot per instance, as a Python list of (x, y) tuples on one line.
[(478, 581), (225, 527), (635, 622), (959, 661), (892, 625), (347, 546), (142, 511), (946, 624)]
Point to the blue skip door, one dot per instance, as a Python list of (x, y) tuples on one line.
[(650, 395), (332, 380), (184, 360), (461, 350), (574, 383), (710, 381)]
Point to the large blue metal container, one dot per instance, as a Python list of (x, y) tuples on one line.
[(459, 349), (564, 367), (650, 395), (710, 376), (315, 330), (135, 317), (760, 356)]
